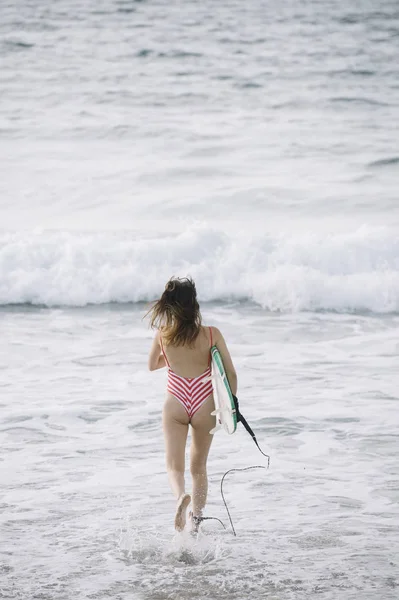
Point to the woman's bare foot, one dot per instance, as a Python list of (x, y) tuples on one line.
[(180, 517)]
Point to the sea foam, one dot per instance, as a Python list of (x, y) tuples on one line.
[(342, 272)]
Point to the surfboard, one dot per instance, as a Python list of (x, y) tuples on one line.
[(224, 403)]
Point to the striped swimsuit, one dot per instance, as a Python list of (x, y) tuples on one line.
[(191, 392)]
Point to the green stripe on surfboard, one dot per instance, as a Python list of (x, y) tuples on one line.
[(217, 358)]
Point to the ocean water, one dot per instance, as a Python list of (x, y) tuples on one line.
[(253, 146)]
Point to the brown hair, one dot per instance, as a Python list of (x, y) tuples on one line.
[(177, 314)]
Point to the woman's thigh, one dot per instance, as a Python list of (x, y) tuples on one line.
[(202, 422), (175, 422)]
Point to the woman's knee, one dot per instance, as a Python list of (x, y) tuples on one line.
[(174, 466)]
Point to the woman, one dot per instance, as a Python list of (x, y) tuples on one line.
[(184, 346)]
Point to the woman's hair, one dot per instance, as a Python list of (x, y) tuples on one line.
[(177, 313)]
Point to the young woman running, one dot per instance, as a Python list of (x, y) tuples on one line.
[(184, 346)]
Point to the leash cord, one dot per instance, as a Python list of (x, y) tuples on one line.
[(221, 490), (240, 419), (200, 519)]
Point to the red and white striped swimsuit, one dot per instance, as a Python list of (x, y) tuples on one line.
[(191, 392)]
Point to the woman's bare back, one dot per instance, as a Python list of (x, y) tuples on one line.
[(191, 361)]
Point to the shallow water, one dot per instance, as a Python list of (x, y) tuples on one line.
[(86, 508)]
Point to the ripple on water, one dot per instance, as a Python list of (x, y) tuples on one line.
[(278, 426), (145, 425)]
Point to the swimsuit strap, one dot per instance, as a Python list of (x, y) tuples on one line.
[(163, 351)]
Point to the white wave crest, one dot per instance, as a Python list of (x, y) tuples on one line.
[(343, 272)]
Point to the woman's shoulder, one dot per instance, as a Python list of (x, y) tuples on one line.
[(216, 333)]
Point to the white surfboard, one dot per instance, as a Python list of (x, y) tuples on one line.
[(224, 403)]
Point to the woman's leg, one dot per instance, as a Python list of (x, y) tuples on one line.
[(202, 422), (175, 426)]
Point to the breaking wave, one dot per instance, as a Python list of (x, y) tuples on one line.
[(354, 271)]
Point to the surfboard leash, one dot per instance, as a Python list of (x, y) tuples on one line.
[(241, 419), (221, 490), (198, 520)]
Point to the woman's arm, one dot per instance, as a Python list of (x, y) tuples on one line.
[(156, 359), (227, 361)]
